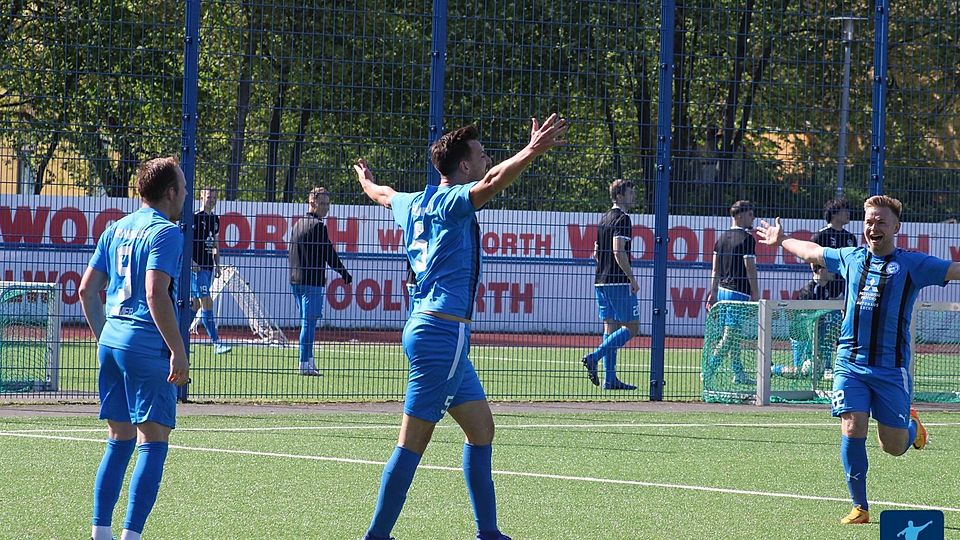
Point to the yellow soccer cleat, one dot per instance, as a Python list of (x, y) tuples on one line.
[(921, 440), (856, 516)]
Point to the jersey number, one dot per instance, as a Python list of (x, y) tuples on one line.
[(125, 290)]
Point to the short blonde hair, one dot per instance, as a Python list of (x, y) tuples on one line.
[(317, 192), (884, 201)]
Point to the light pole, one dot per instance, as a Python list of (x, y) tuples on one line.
[(847, 37)]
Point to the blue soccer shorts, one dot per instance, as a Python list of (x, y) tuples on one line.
[(882, 392), (617, 302), (200, 283), (134, 388), (734, 317), (441, 374)]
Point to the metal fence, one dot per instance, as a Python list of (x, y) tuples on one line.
[(700, 103)]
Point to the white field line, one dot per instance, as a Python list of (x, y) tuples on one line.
[(393, 427), (588, 479)]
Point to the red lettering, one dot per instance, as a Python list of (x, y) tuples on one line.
[(390, 239), (497, 289), (709, 243), (922, 245), (690, 245), (789, 295), (542, 243), (339, 294), (349, 235), (955, 253), (242, 226), (60, 217), (103, 220), (8, 274), (480, 304), (270, 229), (582, 240), (23, 226), (687, 301), (389, 304), (368, 294), (70, 283), (517, 297), (490, 243), (40, 276), (509, 241), (645, 247)]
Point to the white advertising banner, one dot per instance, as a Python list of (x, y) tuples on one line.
[(537, 274)]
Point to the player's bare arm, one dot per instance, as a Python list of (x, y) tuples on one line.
[(542, 138), (92, 283), (714, 282), (773, 235), (953, 272), (750, 264), (381, 195), (164, 315)]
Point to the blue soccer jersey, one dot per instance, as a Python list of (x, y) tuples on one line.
[(442, 236), (144, 240), (880, 295)]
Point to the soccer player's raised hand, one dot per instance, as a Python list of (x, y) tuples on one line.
[(771, 235), (363, 171), (550, 134)]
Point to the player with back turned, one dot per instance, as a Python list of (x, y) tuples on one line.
[(442, 236)]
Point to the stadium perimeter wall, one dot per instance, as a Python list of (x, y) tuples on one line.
[(538, 272)]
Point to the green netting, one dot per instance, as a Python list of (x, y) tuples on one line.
[(803, 342), (803, 348), (729, 358), (936, 355), (24, 322)]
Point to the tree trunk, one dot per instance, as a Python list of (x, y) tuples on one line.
[(273, 140), (727, 151), (238, 138), (290, 183)]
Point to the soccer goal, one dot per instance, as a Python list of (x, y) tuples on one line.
[(770, 351), (230, 281), (29, 336), (935, 329)]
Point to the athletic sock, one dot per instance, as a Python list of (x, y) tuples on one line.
[(613, 341), (129, 535), (911, 433), (109, 481), (394, 484), (478, 472), (206, 317), (853, 455), (101, 532), (145, 484)]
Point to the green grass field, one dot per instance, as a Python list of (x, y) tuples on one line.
[(563, 472)]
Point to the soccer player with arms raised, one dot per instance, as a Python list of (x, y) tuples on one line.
[(141, 353), (443, 245), (872, 371)]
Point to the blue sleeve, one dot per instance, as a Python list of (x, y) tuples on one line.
[(165, 250), (457, 203), (101, 260), (400, 205), (833, 259), (928, 270)]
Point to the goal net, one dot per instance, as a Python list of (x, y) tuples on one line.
[(936, 352), (770, 351), (29, 336), (231, 282)]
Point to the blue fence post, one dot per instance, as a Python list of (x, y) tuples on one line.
[(878, 138), (438, 66), (188, 162), (661, 202)]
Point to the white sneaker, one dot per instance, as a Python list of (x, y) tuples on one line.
[(310, 372), (221, 348)]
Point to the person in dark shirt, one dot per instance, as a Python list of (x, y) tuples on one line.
[(837, 215), (310, 252), (206, 265), (734, 279), (615, 287)]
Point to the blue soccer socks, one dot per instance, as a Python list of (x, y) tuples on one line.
[(394, 484), (145, 483), (612, 342), (853, 455), (478, 472), (206, 317), (609, 363), (109, 480)]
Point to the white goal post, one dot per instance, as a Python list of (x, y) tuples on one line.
[(29, 336)]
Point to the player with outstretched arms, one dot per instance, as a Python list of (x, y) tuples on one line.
[(443, 245), (872, 370)]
